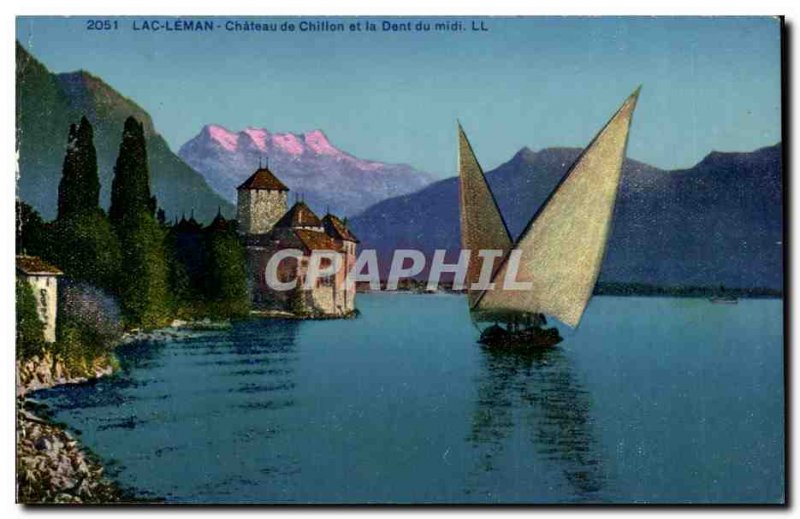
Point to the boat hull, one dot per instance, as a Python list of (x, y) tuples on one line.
[(498, 338)]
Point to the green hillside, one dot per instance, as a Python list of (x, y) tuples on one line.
[(46, 105)]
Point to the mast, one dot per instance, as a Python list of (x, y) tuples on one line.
[(564, 243), (482, 225)]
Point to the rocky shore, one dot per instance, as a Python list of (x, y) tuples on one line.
[(46, 371), (53, 468)]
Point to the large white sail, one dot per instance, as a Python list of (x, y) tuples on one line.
[(482, 225), (563, 246)]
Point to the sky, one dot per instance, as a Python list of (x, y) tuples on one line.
[(708, 83)]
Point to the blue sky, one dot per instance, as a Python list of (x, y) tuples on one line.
[(708, 83)]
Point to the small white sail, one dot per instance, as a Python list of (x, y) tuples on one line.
[(563, 246), (482, 225)]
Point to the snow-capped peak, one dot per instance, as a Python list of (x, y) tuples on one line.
[(222, 136), (319, 143)]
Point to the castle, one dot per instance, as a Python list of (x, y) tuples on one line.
[(267, 225)]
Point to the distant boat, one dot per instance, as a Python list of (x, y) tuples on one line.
[(562, 246), (724, 297)]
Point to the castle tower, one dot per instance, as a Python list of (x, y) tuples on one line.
[(262, 200)]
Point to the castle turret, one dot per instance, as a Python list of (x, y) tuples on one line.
[(262, 200)]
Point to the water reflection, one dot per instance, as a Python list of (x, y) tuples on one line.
[(107, 392), (538, 395), (209, 400)]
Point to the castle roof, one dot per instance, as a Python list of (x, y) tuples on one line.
[(336, 228), (187, 226), (263, 178), (36, 266), (316, 240), (300, 215), (219, 223)]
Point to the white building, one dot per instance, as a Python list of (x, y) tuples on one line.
[(43, 279)]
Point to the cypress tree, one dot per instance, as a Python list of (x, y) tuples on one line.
[(130, 189), (79, 188), (144, 280), (86, 247), (143, 284)]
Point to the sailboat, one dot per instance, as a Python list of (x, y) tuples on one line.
[(560, 251)]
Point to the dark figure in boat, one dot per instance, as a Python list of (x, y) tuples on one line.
[(528, 332)]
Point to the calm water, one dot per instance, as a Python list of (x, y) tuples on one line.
[(651, 400)]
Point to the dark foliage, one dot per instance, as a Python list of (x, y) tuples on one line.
[(226, 277), (143, 277), (32, 233), (130, 189), (85, 247), (79, 189), (30, 330)]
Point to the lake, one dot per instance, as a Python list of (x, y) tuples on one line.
[(650, 400)]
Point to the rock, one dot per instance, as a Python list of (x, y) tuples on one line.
[(43, 444), (52, 468)]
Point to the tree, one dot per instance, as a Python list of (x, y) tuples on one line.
[(186, 249), (130, 189), (86, 248), (33, 234), (89, 325), (144, 280), (297, 301), (79, 188), (30, 329), (82, 242), (226, 276)]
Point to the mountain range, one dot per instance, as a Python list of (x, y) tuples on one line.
[(716, 223), (48, 103), (324, 175)]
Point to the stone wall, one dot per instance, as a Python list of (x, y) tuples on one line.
[(259, 209), (323, 298), (326, 298)]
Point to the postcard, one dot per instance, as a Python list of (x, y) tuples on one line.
[(400, 260)]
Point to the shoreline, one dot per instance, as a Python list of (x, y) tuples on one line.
[(52, 466), (665, 295), (280, 314)]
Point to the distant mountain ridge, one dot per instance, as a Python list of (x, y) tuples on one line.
[(307, 163), (717, 223), (48, 103)]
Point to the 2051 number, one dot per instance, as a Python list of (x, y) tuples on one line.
[(102, 25)]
